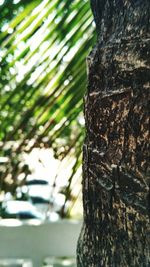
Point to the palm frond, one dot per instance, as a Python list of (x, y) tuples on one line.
[(43, 76)]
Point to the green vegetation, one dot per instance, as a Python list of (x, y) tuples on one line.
[(43, 49)]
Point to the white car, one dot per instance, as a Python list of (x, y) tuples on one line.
[(20, 210)]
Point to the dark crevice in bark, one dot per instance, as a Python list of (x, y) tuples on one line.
[(116, 181)]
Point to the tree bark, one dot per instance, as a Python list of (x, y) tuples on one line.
[(116, 182)]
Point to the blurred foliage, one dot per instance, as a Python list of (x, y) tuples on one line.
[(43, 49)]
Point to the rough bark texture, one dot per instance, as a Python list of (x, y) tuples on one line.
[(116, 182)]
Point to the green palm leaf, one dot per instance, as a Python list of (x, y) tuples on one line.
[(43, 47)]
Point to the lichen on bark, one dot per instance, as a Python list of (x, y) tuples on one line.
[(116, 193)]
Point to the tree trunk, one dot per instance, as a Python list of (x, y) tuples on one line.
[(116, 185)]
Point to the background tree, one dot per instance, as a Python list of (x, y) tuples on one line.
[(116, 194)]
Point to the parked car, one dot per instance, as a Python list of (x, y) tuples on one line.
[(20, 210)]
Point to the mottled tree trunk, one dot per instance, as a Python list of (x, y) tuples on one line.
[(116, 194)]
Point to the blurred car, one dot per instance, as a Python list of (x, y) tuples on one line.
[(20, 210)]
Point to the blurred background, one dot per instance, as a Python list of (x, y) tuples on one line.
[(43, 50)]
